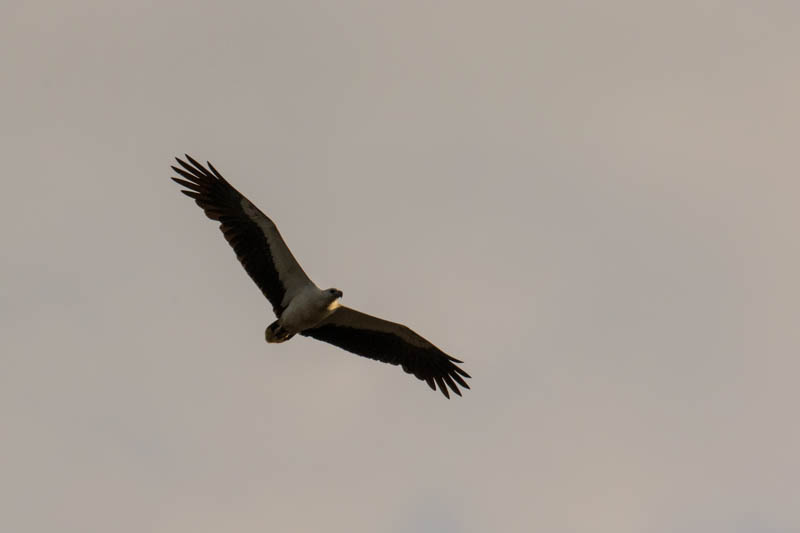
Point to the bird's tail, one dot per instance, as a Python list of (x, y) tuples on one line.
[(276, 333)]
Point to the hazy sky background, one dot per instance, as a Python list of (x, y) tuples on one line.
[(594, 204)]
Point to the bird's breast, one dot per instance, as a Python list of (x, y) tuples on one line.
[(306, 310)]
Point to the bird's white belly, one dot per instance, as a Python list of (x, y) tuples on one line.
[(305, 310)]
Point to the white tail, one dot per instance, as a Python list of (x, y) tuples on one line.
[(275, 333)]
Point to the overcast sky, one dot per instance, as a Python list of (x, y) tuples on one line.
[(593, 204)]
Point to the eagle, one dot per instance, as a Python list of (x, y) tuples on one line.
[(299, 305)]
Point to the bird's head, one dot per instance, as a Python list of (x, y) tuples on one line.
[(333, 294)]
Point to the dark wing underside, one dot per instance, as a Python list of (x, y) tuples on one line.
[(253, 236), (392, 343)]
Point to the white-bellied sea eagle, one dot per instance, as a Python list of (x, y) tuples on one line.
[(301, 307)]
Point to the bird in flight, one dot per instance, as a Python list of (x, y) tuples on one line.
[(300, 306)]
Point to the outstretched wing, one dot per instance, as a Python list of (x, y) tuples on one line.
[(253, 236), (388, 342)]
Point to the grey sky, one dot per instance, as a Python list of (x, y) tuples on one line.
[(593, 204)]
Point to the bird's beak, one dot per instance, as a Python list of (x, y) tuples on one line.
[(339, 294)]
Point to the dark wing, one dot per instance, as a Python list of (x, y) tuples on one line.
[(253, 236), (388, 342)]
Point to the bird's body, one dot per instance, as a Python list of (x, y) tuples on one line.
[(308, 308), (300, 306)]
